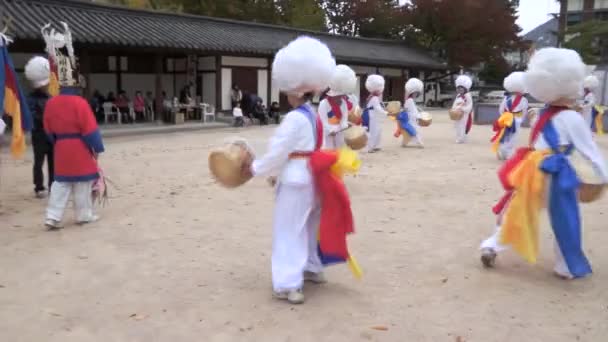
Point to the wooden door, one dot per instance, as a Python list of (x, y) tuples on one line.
[(246, 79)]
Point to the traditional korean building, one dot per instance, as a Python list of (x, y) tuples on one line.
[(125, 49)]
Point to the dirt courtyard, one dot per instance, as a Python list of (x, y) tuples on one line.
[(177, 258)]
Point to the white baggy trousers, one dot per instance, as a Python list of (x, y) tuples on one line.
[(60, 195), (460, 127), (295, 228)]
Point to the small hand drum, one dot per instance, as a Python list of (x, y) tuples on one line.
[(456, 113), (591, 187), (226, 164), (425, 119), (355, 137), (354, 116), (393, 107)]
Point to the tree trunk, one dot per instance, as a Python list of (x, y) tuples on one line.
[(563, 21)]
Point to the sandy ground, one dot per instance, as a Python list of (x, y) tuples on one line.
[(178, 258)]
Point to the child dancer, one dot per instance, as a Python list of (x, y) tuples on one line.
[(408, 119), (334, 109), (513, 111), (464, 102), (541, 174), (374, 112), (302, 69)]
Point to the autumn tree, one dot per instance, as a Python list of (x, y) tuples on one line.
[(464, 32), (369, 18)]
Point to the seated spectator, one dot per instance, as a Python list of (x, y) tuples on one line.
[(259, 112), (96, 103), (111, 97), (274, 112), (139, 106), (122, 103), (237, 113), (150, 100)]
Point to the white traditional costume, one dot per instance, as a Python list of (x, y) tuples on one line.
[(463, 102), (541, 175), (592, 112), (513, 111), (408, 119), (590, 85), (334, 109), (374, 112), (301, 69)]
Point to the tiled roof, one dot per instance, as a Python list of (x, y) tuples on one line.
[(110, 25), (544, 35)]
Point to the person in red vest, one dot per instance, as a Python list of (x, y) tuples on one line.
[(71, 126)]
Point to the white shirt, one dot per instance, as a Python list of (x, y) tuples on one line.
[(588, 104), (411, 109), (376, 106), (522, 107), (2, 126), (237, 112), (572, 129), (294, 134), (465, 104)]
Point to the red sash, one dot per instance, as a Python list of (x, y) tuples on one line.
[(334, 103)]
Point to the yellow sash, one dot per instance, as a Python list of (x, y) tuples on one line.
[(599, 122), (505, 120), (521, 219)]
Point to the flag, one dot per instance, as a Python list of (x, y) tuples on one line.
[(14, 102), (54, 79)]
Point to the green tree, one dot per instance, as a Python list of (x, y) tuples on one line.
[(589, 39), (304, 14)]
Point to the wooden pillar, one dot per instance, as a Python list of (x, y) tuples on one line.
[(158, 87), (218, 83), (85, 71), (118, 75), (269, 82)]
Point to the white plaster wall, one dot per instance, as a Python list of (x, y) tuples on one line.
[(105, 83), (244, 61), (226, 82), (263, 85), (274, 93), (142, 82)]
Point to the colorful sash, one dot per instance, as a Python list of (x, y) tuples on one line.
[(335, 114), (336, 221), (404, 126), (470, 118), (505, 126), (523, 177)]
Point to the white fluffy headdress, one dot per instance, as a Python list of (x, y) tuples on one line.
[(464, 81), (304, 65), (374, 83), (343, 81), (591, 82), (555, 75), (514, 83), (413, 85), (38, 71)]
